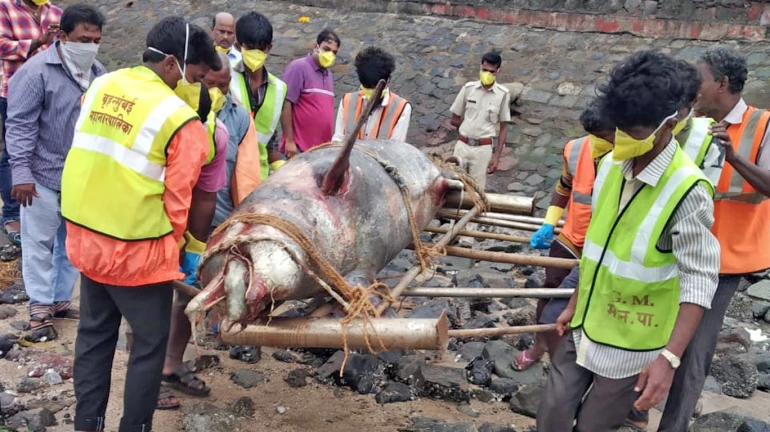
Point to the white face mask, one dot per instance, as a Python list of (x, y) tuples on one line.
[(78, 58)]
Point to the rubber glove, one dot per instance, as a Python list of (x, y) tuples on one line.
[(542, 238), (193, 250)]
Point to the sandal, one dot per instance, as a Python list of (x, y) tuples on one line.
[(64, 310), (13, 236), (166, 400), (186, 382), (39, 321), (522, 361)]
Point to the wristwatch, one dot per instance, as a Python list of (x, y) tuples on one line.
[(672, 358)]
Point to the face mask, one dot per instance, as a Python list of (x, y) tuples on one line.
[(78, 58), (254, 59), (40, 2), (217, 99), (628, 147), (222, 50), (487, 78), (369, 92), (188, 92), (326, 59), (599, 147), (682, 123)]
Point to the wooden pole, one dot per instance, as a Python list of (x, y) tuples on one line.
[(501, 331), (505, 216), (403, 333), (451, 214), (510, 258), (496, 202), (481, 234), (489, 292)]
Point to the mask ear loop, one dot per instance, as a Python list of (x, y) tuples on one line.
[(186, 45)]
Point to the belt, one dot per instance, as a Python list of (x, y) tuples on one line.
[(478, 142)]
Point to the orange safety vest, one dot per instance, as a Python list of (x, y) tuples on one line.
[(577, 153), (353, 104), (741, 214)]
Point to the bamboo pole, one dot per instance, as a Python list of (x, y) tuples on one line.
[(510, 258), (501, 331), (505, 216), (489, 292), (496, 202), (403, 333), (451, 214), (481, 234)]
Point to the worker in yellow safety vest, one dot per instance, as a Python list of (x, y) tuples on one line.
[(127, 186), (649, 265), (573, 191), (390, 116), (259, 91)]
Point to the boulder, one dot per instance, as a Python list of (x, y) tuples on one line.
[(359, 372), (720, 421), (442, 382), (505, 387), (298, 378), (479, 371), (406, 368), (740, 308), (393, 392), (470, 350), (527, 400), (736, 373), (760, 308), (36, 420), (754, 426), (247, 378), (502, 354), (760, 290)]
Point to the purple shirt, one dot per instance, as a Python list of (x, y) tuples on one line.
[(311, 93), (213, 176)]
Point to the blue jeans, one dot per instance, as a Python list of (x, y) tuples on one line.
[(10, 206), (49, 277)]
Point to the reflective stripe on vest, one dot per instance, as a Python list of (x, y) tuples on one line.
[(629, 290), (266, 119), (695, 139), (113, 176), (741, 214), (211, 125), (581, 166), (353, 105)]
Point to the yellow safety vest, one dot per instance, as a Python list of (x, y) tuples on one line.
[(113, 176), (211, 126)]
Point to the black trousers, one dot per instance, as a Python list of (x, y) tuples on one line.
[(148, 310)]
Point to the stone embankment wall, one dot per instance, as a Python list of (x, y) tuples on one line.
[(435, 57)]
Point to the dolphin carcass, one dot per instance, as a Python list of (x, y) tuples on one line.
[(345, 202)]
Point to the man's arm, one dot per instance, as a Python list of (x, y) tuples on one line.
[(401, 129), (295, 82), (757, 176), (505, 119), (339, 126), (698, 258), (458, 109), (20, 49), (559, 201), (26, 97)]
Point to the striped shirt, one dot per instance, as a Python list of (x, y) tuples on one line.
[(688, 236), (20, 26), (43, 107)]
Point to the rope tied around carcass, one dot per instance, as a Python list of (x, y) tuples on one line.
[(471, 186), (357, 300)]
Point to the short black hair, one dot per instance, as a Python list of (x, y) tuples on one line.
[(642, 90), (328, 35), (254, 30), (168, 35), (81, 14), (691, 81), (493, 58), (204, 103), (374, 64), (595, 120), (726, 62)]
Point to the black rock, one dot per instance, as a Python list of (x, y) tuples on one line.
[(489, 427), (527, 400), (442, 382), (285, 356), (719, 421), (516, 302), (763, 382), (533, 281), (298, 378), (736, 373), (434, 309), (203, 362), (505, 387), (33, 420), (527, 271), (521, 316), (483, 395), (470, 350), (246, 354), (480, 321), (480, 371), (14, 294), (244, 407), (359, 372), (45, 334), (247, 378), (754, 426), (524, 341), (475, 282), (407, 368), (760, 308), (422, 424), (29, 385), (392, 393), (763, 362), (7, 343)]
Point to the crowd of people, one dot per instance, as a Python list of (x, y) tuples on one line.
[(119, 178)]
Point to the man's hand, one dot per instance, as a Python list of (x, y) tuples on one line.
[(493, 165), (654, 383), (290, 149), (24, 193), (562, 323), (49, 34), (719, 131)]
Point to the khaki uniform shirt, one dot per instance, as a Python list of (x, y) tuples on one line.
[(482, 110)]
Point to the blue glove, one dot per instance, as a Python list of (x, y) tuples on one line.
[(541, 238), (189, 266)]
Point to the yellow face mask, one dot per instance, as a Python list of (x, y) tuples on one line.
[(599, 147), (222, 50), (487, 78), (682, 124), (217, 99), (368, 92), (39, 2), (326, 59), (628, 147), (254, 59), (189, 92)]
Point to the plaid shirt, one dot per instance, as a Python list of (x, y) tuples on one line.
[(20, 26)]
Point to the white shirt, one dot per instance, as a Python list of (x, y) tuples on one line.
[(399, 132), (235, 56)]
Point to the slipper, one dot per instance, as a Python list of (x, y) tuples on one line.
[(39, 321), (522, 361), (186, 382), (169, 398), (13, 236), (64, 310)]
